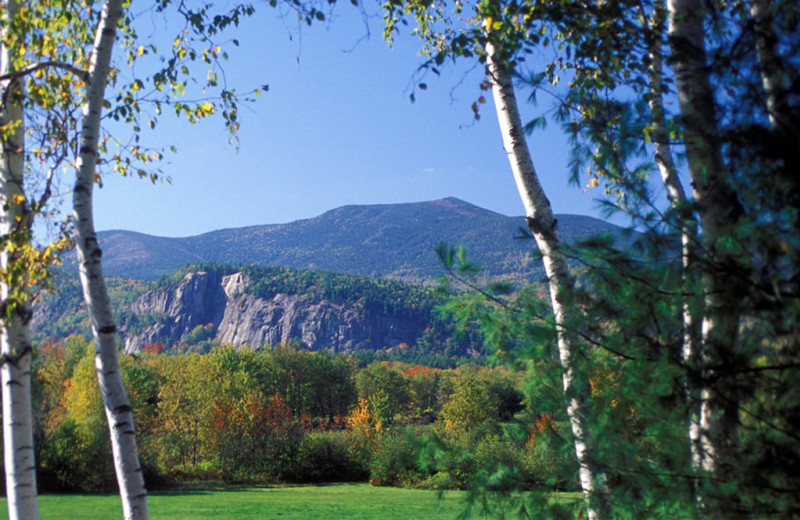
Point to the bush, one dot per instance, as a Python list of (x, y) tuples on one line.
[(68, 462), (492, 451), (330, 457), (549, 461), (395, 462)]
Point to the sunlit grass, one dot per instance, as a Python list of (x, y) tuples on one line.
[(342, 501)]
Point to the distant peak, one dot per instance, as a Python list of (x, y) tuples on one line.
[(455, 201), (462, 206), (447, 202)]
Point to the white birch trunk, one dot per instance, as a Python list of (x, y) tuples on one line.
[(20, 466), (543, 225), (117, 406), (691, 354), (718, 208)]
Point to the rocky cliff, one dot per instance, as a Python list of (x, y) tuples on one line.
[(220, 307)]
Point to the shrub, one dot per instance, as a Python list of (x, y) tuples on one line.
[(548, 459), (330, 457), (395, 462), (68, 462)]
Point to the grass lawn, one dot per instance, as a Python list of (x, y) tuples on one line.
[(334, 502)]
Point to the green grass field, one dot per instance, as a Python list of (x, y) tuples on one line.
[(341, 501)]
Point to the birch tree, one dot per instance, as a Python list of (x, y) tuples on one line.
[(718, 209), (42, 86), (738, 153), (736, 123), (117, 406), (17, 417), (91, 145), (680, 203), (498, 53), (775, 72), (56, 62), (544, 227), (23, 265)]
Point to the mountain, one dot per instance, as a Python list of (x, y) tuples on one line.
[(394, 241), (349, 280), (234, 307), (202, 305)]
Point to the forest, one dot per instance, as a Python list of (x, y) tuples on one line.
[(284, 415), (657, 379)]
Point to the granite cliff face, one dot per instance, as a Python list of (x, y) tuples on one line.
[(221, 306)]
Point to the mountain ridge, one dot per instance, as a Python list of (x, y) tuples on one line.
[(394, 241)]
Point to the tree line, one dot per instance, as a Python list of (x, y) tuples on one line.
[(287, 415), (281, 415)]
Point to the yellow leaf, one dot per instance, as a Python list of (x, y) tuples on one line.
[(140, 51)]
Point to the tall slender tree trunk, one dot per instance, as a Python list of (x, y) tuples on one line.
[(773, 78), (718, 209), (20, 465), (543, 225), (117, 405), (687, 222)]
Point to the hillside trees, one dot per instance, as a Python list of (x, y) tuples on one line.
[(384, 389)]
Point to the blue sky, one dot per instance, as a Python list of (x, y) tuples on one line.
[(335, 128)]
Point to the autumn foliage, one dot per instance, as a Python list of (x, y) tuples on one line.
[(275, 415)]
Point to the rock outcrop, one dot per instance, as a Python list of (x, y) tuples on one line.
[(220, 304)]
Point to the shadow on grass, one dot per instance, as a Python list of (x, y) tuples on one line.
[(206, 488)]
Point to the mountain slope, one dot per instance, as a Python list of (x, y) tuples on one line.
[(246, 308), (202, 305), (394, 241)]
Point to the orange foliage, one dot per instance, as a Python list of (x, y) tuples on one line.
[(154, 348), (543, 424)]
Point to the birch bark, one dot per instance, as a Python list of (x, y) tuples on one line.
[(718, 210), (117, 406), (691, 308), (543, 225), (20, 466)]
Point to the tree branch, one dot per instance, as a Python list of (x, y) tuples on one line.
[(30, 69)]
